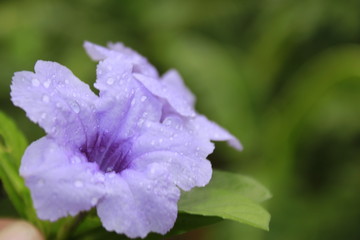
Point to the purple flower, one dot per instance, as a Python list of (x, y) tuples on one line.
[(126, 152)]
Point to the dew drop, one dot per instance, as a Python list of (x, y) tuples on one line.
[(100, 177), (140, 122), (54, 195), (110, 81), (75, 159), (45, 99), (35, 82), (143, 98), (41, 182), (47, 83), (93, 201), (75, 107), (133, 102), (66, 81), (78, 184), (43, 116), (167, 122), (161, 140)]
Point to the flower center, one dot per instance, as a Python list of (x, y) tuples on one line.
[(108, 153)]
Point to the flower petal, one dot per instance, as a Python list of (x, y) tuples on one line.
[(177, 148), (171, 88), (139, 63), (184, 171), (214, 132), (62, 182), (139, 202), (96, 52), (58, 101), (123, 98)]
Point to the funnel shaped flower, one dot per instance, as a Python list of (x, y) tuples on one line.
[(126, 152)]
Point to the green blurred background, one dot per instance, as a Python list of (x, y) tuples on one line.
[(283, 76)]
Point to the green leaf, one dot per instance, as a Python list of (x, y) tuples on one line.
[(12, 140), (12, 147), (229, 196), (245, 185), (187, 222)]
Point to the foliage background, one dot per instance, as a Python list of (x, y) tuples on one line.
[(282, 75)]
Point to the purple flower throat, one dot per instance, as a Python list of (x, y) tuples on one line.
[(109, 154)]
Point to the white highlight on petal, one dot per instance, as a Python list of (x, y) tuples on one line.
[(78, 184), (143, 98), (47, 83), (75, 106), (110, 81), (45, 99), (35, 82)]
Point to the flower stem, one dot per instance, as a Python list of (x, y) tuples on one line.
[(68, 228)]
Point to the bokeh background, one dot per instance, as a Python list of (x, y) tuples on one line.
[(282, 75)]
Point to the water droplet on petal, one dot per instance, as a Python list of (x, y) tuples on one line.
[(78, 184), (140, 122), (143, 98), (75, 159), (75, 107), (41, 182), (35, 82), (45, 99), (100, 177), (94, 201), (43, 115), (47, 83), (66, 81), (167, 122), (110, 81)]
